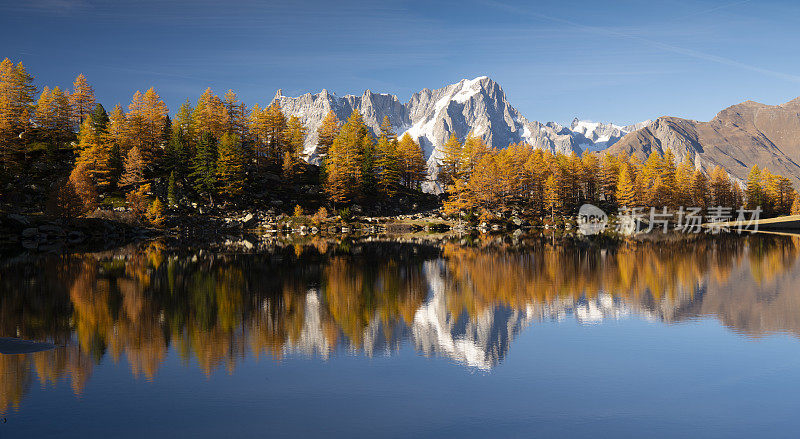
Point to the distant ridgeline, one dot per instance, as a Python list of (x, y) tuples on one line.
[(218, 151)]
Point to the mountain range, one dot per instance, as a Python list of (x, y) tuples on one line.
[(738, 137), (478, 105)]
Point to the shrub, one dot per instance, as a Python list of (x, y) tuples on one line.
[(320, 216)]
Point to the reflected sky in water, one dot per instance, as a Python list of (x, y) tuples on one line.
[(339, 338)]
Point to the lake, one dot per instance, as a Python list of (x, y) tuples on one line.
[(492, 336)]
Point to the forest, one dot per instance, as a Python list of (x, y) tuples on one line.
[(217, 151)]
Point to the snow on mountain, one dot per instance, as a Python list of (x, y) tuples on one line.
[(597, 136)]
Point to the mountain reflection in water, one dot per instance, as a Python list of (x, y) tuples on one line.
[(463, 302)]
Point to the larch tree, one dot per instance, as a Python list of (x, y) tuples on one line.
[(295, 136), (754, 192), (95, 154), (538, 169), (326, 134), (16, 108), (778, 193), (75, 196), (461, 200), (412, 162), (343, 164), (82, 100), (553, 200), (289, 168), (626, 188), (668, 177), (721, 190), (590, 166), (275, 130), (699, 190), (230, 169), (53, 117), (387, 164), (571, 178), (474, 148), (795, 205), (133, 174), (117, 137), (236, 116), (485, 182), (387, 130), (145, 123), (683, 182), (450, 161), (256, 130), (609, 173), (208, 116)]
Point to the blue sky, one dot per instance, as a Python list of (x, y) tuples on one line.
[(621, 61)]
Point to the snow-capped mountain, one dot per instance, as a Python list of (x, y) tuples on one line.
[(479, 106), (597, 136)]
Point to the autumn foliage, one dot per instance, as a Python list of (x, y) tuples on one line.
[(219, 151)]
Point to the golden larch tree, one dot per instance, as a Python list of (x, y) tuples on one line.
[(450, 160), (82, 100), (326, 134), (412, 162), (626, 188), (230, 166)]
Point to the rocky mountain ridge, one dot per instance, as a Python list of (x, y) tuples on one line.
[(738, 137)]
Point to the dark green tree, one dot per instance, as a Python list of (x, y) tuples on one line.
[(204, 167)]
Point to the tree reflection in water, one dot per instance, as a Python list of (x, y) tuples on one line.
[(465, 302)]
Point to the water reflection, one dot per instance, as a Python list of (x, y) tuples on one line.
[(463, 302)]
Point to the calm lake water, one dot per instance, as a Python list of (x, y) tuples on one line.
[(493, 338)]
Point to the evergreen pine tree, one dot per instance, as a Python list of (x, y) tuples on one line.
[(369, 175), (100, 119), (172, 190), (204, 167)]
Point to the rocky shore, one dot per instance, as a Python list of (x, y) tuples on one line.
[(39, 233), (246, 230)]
